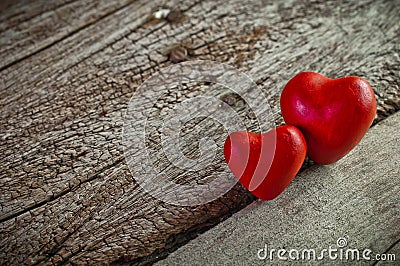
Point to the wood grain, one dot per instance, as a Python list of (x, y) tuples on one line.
[(67, 195), (356, 199), (28, 28)]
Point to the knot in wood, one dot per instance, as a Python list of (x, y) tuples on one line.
[(178, 54), (174, 16)]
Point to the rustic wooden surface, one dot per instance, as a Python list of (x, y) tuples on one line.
[(323, 204), (68, 70)]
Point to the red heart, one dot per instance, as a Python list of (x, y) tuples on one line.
[(333, 114), (263, 168)]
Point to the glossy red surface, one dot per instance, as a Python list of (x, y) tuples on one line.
[(332, 114), (266, 163)]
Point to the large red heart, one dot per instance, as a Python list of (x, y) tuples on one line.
[(264, 168), (332, 114)]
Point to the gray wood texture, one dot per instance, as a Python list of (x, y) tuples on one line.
[(356, 199), (68, 70)]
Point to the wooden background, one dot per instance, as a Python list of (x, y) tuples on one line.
[(69, 68)]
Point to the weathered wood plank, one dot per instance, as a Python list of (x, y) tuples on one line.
[(357, 199), (28, 28), (66, 192)]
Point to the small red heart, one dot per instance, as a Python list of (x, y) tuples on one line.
[(333, 114), (264, 168)]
